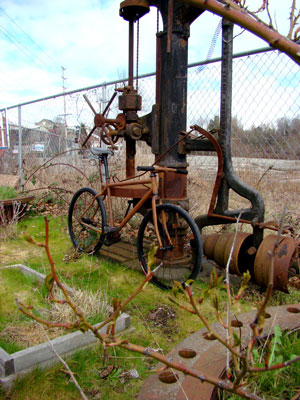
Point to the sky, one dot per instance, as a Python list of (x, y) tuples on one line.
[(89, 40)]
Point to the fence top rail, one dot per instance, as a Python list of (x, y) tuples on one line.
[(115, 82)]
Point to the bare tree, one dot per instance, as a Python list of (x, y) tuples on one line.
[(237, 12)]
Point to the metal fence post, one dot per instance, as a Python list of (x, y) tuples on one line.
[(20, 147)]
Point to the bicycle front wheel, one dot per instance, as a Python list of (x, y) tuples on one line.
[(179, 254), (86, 219)]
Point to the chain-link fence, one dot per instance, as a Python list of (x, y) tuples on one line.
[(265, 110)]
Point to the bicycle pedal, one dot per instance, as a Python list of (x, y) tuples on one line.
[(117, 238), (110, 229)]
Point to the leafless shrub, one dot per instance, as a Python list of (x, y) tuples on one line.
[(9, 216)]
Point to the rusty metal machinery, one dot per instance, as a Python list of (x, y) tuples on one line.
[(164, 130), (282, 257)]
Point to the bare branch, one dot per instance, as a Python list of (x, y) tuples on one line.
[(229, 328), (70, 373), (29, 314), (238, 15), (292, 19), (207, 325), (262, 7)]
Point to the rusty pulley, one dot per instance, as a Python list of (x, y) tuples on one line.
[(218, 248), (258, 262), (283, 256), (132, 10)]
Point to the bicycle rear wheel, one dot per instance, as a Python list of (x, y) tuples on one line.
[(179, 258), (85, 210)]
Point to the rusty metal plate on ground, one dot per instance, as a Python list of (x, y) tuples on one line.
[(210, 357)]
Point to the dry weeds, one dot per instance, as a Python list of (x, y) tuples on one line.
[(28, 333), (91, 304)]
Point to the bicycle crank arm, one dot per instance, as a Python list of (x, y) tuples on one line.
[(93, 228)]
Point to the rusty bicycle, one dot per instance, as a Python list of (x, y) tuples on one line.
[(166, 229)]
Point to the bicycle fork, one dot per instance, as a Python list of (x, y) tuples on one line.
[(156, 200)]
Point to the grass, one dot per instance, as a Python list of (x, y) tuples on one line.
[(10, 347), (7, 192), (114, 280), (87, 366), (273, 384), (97, 275), (13, 284), (287, 349)]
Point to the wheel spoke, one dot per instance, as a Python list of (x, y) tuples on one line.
[(179, 259), (86, 219)]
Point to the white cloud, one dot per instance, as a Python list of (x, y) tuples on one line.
[(90, 40)]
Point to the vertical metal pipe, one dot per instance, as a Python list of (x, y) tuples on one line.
[(158, 68), (170, 24), (7, 130), (20, 147), (225, 113), (226, 86), (173, 96), (130, 53), (4, 132), (130, 144), (230, 180), (130, 157)]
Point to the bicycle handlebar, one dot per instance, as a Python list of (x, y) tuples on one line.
[(181, 171), (146, 169), (162, 169)]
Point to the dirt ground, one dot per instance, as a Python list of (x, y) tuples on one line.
[(28, 334), (9, 253)]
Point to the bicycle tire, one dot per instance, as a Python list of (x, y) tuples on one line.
[(83, 239), (183, 261)]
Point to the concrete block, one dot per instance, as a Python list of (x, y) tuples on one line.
[(35, 274), (7, 382), (6, 363), (31, 272), (41, 354)]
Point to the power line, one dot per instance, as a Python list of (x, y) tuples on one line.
[(26, 34), (32, 56), (17, 43)]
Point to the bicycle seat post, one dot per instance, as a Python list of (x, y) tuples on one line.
[(103, 154), (105, 163)]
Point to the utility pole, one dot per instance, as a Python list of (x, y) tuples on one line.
[(64, 97)]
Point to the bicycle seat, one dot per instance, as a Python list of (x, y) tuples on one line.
[(101, 152)]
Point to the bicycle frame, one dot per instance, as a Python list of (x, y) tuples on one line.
[(151, 192)]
